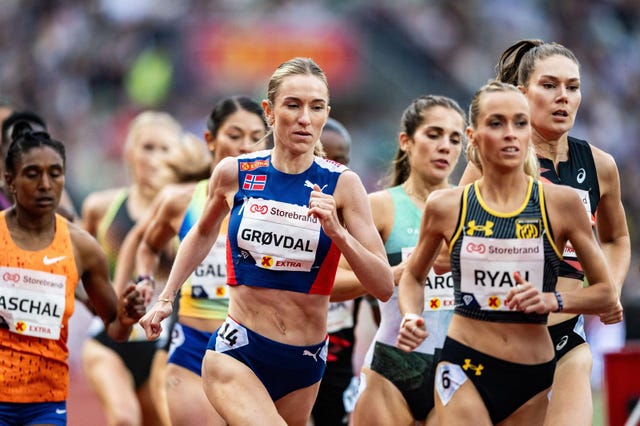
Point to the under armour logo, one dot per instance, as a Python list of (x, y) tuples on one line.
[(486, 228), (307, 352), (468, 366), (310, 184), (582, 174)]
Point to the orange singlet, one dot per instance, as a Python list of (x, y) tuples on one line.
[(36, 301)]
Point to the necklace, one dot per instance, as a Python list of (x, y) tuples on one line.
[(412, 193)]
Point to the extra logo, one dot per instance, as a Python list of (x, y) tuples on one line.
[(254, 182), (21, 326), (267, 261), (494, 302), (581, 176), (247, 167), (468, 366), (528, 228), (487, 228), (51, 260)]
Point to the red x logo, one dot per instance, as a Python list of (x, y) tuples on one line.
[(434, 303), (21, 326), (267, 261), (494, 302)]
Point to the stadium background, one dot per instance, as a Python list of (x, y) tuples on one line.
[(89, 66)]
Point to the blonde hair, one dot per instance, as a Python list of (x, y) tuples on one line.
[(531, 167), (190, 161), (146, 118), (295, 66)]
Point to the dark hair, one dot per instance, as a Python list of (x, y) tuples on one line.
[(34, 120), (227, 106), (412, 118), (24, 139), (333, 125), (518, 61)]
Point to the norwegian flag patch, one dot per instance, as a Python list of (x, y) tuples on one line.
[(254, 182)]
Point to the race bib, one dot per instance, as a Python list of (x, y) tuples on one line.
[(32, 303), (279, 236), (209, 280), (487, 266), (438, 289)]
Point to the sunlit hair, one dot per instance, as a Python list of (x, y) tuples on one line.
[(190, 160), (412, 117), (494, 86), (151, 118), (517, 63), (296, 66)]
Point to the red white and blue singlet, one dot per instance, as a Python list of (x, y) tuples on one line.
[(273, 243)]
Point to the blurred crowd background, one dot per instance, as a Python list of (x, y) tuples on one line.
[(89, 66)]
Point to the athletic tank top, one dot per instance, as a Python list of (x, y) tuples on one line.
[(489, 246), (579, 173), (438, 290), (273, 243), (205, 294), (36, 301)]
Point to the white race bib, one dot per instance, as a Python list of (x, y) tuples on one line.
[(279, 236), (32, 302), (487, 266)]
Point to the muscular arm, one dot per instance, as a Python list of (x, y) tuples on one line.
[(346, 285), (92, 269), (611, 222), (197, 243), (600, 295), (437, 222), (360, 242)]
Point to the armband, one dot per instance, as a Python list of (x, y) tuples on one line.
[(410, 316), (559, 300), (149, 278)]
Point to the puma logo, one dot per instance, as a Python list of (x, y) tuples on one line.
[(307, 352), (51, 260), (309, 184)]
